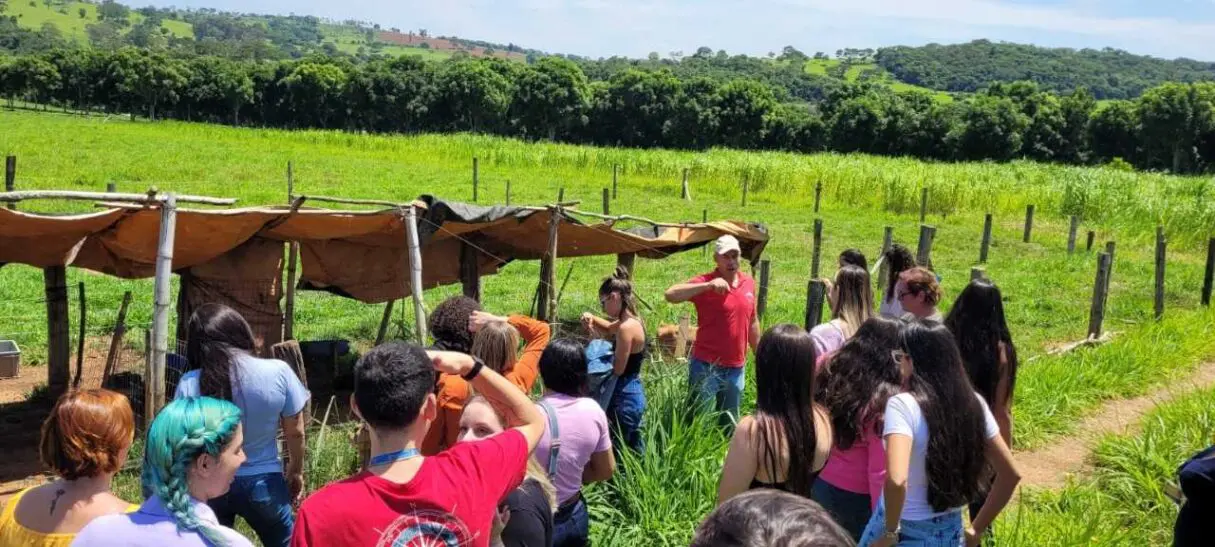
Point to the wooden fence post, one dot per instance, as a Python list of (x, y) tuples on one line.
[(704, 219), (83, 304), (476, 178), (1071, 234), (1088, 246), (120, 329), (1160, 253), (816, 290), (818, 195), (561, 195), (884, 270), (10, 178), (816, 251), (58, 351), (470, 271), (384, 321), (977, 272), (1208, 278), (508, 193), (111, 187), (549, 303), (1100, 287), (1110, 246), (415, 272), (923, 253), (615, 172), (761, 306), (160, 313), (293, 251), (746, 187), (627, 260), (1029, 222), (607, 200), (923, 204), (685, 193), (290, 181), (985, 245)]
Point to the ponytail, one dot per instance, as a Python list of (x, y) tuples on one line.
[(619, 282)]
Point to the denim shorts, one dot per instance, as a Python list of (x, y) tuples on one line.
[(851, 510), (264, 501), (942, 531)]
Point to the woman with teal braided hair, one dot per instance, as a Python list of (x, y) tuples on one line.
[(191, 455)]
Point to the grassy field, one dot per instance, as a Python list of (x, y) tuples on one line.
[(821, 67), (69, 22), (349, 39), (660, 498)]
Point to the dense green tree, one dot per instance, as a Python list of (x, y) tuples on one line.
[(551, 100), (1113, 132), (637, 106), (315, 92), (991, 128), (218, 89), (147, 80), (1172, 117), (472, 96), (743, 108)]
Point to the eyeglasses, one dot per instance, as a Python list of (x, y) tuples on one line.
[(898, 355), (904, 294)]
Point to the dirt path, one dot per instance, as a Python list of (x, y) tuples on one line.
[(1051, 465)]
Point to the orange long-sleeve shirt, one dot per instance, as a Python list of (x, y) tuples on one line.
[(454, 391)]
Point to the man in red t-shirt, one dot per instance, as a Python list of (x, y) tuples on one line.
[(726, 325), (403, 498)]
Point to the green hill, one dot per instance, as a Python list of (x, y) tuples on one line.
[(72, 25), (857, 71)]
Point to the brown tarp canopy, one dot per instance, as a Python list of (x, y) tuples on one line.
[(359, 254)]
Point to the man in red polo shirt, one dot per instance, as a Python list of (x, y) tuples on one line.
[(726, 324)]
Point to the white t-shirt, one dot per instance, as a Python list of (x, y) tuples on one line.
[(903, 416)]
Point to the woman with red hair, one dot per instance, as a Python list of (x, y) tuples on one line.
[(85, 441)]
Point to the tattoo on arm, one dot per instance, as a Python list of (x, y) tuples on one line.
[(58, 493)]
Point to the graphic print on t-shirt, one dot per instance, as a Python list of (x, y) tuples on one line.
[(426, 528)]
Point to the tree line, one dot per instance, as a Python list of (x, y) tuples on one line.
[(1171, 126)]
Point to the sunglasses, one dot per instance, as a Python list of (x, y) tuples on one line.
[(898, 355)]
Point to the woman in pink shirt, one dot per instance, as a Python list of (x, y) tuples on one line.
[(854, 386)]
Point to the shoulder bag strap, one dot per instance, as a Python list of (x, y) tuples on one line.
[(554, 434)]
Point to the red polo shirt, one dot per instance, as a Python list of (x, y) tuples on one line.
[(723, 321)]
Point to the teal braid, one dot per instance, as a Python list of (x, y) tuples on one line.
[(183, 431)]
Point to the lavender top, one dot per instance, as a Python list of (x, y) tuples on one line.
[(153, 526)]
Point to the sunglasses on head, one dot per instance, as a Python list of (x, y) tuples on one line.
[(898, 355)]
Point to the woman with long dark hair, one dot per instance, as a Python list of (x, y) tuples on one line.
[(785, 443), (629, 346), (899, 260), (854, 386), (219, 351), (978, 324), (941, 441), (851, 301)]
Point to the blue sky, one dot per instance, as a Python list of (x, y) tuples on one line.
[(1166, 28)]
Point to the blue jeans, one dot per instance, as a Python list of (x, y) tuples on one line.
[(850, 509), (264, 502), (626, 411), (717, 385), (942, 531), (572, 525)]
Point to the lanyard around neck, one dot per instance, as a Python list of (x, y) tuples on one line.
[(397, 456)]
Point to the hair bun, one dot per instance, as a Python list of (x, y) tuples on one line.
[(621, 272)]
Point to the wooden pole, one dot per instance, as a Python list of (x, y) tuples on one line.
[(615, 177), (1100, 286), (415, 272), (1160, 255), (160, 312), (470, 271), (685, 192), (10, 177), (1029, 222), (80, 340), (120, 329), (884, 270), (815, 293), (627, 260), (293, 251), (985, 246), (561, 195), (607, 202), (976, 272), (290, 181), (476, 181), (816, 250), (508, 193), (923, 253), (111, 187), (704, 219), (1208, 278), (547, 299), (761, 306), (58, 349), (746, 186), (923, 204), (384, 321), (1088, 246), (818, 195), (1071, 234), (148, 411), (150, 197)]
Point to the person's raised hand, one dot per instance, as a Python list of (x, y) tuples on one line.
[(479, 319), (972, 538), (450, 362), (588, 321), (719, 286)]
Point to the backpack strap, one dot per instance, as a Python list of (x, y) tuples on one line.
[(554, 434)]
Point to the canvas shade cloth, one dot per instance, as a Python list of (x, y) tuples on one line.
[(358, 254)]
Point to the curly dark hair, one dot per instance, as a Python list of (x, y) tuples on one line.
[(859, 379), (449, 323)]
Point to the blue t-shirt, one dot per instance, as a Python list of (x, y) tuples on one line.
[(265, 390)]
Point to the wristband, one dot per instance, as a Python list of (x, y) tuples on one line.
[(476, 369)]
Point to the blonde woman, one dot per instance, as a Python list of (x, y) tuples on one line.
[(851, 301)]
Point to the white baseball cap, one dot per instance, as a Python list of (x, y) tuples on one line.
[(726, 244)]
